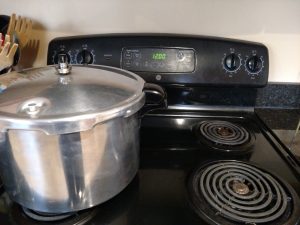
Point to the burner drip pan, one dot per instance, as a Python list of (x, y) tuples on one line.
[(224, 136), (231, 192)]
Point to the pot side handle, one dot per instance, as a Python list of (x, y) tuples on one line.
[(156, 98)]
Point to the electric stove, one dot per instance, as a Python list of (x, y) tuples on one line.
[(183, 180), (207, 158)]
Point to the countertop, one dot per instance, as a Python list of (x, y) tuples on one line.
[(284, 123)]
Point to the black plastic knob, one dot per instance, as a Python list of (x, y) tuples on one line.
[(56, 57), (254, 64), (232, 62), (85, 57)]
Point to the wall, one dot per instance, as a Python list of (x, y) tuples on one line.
[(276, 23)]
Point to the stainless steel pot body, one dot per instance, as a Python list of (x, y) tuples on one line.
[(70, 172)]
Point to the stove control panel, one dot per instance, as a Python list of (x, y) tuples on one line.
[(171, 60)]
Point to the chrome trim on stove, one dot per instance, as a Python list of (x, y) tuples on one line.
[(168, 114), (209, 108)]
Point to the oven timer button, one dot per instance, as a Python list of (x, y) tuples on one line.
[(127, 63), (231, 62), (158, 77), (180, 56), (127, 55)]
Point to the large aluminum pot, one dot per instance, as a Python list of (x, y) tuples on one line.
[(70, 141)]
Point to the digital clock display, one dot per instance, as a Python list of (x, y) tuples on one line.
[(160, 60), (159, 56)]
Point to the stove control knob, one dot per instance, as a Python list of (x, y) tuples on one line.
[(85, 57), (232, 62), (55, 57), (254, 64)]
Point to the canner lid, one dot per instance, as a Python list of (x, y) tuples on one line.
[(41, 99)]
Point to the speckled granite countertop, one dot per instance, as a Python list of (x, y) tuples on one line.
[(283, 123)]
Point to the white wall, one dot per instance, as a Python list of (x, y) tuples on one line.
[(276, 23)]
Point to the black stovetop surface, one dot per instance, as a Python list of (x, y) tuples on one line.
[(170, 152)]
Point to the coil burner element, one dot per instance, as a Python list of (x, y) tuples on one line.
[(231, 192), (224, 136)]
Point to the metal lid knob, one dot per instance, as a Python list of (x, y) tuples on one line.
[(63, 68)]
